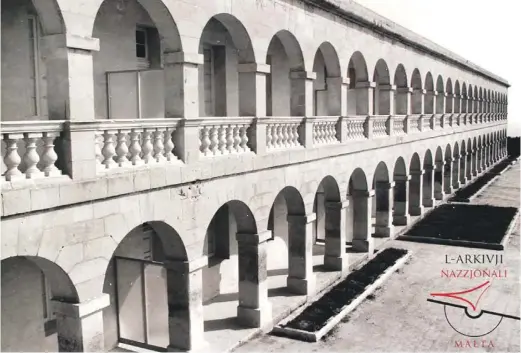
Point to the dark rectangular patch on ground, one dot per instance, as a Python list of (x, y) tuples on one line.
[(481, 226), (316, 316), (464, 194)]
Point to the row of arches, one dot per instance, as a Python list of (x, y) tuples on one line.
[(234, 73), (157, 296)]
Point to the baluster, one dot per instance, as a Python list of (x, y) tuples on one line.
[(169, 145), (214, 141), (98, 141), (122, 148), (49, 156), (244, 138), (135, 147), (278, 136), (229, 138), (12, 158), (321, 133), (222, 139), (269, 134), (285, 135), (159, 147), (328, 132), (31, 157), (108, 150), (293, 136), (205, 141), (147, 146), (237, 139)]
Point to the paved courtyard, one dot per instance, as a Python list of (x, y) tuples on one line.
[(399, 318)]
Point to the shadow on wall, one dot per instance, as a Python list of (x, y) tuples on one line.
[(513, 146)]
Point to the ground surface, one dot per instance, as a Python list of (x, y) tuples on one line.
[(400, 319)]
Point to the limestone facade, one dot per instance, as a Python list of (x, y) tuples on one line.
[(160, 155)]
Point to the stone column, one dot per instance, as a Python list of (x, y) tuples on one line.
[(439, 180), (70, 96), (301, 279), (184, 281), (80, 326), (415, 194), (401, 200), (418, 101), (384, 197), (302, 93), (403, 100), (182, 101), (456, 173), (252, 89), (386, 99), (254, 308), (364, 98), (428, 189), (335, 257), (447, 176), (362, 209), (337, 95), (440, 102)]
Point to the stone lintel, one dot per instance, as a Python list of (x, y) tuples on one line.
[(338, 79), (254, 238), (303, 75), (254, 67), (180, 57), (405, 90), (186, 266), (387, 87), (366, 84), (402, 178), (337, 205), (362, 193), (83, 309), (302, 218), (72, 41)]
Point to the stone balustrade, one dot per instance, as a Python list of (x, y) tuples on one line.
[(127, 143), (355, 128), (28, 149), (33, 149), (222, 136), (283, 133), (325, 130)]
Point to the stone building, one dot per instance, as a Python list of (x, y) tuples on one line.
[(171, 166)]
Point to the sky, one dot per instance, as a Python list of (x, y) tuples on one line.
[(481, 31)]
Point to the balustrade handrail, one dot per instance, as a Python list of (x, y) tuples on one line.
[(211, 121), (284, 120), (135, 123), (28, 126)]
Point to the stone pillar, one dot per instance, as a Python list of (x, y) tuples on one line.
[(80, 326), (430, 99), (70, 96), (403, 101), (254, 308), (252, 89), (184, 281), (401, 200), (386, 99), (415, 193), (439, 180), (428, 189), (337, 95), (418, 101), (456, 173), (440, 102), (364, 98), (302, 93), (362, 209), (384, 199), (335, 257), (447, 176), (301, 279), (182, 101)]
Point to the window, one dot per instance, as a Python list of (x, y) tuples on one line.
[(141, 43)]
